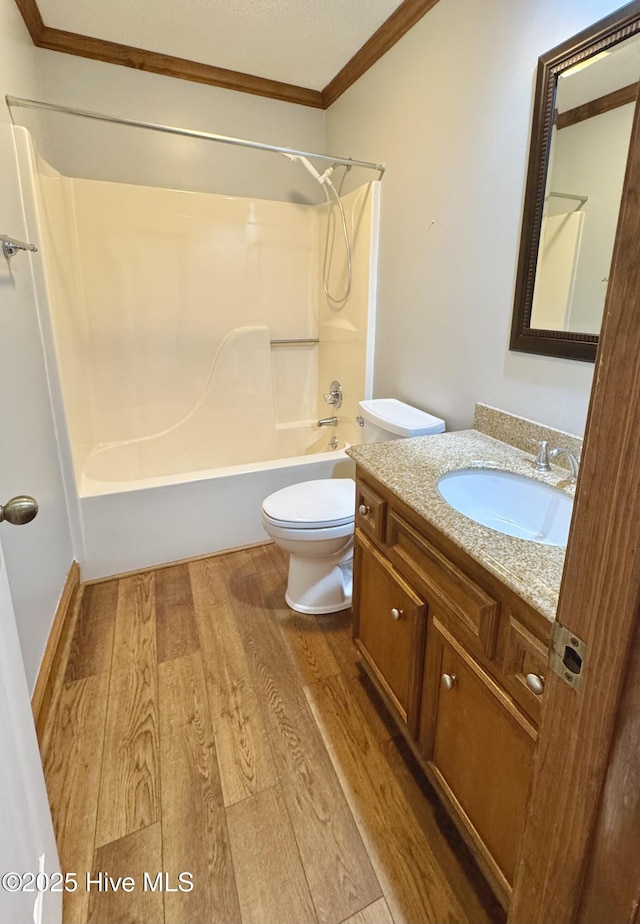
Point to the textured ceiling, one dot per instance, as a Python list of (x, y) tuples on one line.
[(301, 42)]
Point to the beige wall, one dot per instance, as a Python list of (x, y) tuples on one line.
[(448, 109)]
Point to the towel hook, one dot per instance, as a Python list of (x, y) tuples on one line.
[(11, 245)]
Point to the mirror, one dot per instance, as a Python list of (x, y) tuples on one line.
[(585, 95)]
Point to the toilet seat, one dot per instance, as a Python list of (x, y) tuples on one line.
[(312, 505), (279, 530)]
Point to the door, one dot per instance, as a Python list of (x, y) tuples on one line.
[(27, 843)]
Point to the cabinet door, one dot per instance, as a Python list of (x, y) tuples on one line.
[(389, 629), (479, 748)]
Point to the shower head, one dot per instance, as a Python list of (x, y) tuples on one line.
[(305, 163), (320, 177)]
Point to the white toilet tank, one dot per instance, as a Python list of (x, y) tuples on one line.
[(390, 419)]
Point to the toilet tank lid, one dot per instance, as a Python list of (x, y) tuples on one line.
[(400, 418)]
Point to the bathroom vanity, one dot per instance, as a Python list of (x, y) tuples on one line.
[(453, 624)]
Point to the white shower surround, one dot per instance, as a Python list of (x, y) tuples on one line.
[(137, 324)]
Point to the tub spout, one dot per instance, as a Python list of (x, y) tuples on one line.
[(328, 422)]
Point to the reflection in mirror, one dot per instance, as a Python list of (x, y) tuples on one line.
[(585, 99), (589, 144)]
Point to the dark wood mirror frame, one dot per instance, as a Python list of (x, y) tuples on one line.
[(620, 25)]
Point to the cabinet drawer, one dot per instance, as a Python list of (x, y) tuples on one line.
[(389, 630), (480, 749), (525, 666), (370, 511), (473, 613)]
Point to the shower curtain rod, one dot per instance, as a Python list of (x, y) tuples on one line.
[(19, 102), (561, 195)]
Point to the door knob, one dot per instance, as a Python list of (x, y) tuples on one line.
[(19, 510), (449, 681)]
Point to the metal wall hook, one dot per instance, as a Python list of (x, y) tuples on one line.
[(11, 245)]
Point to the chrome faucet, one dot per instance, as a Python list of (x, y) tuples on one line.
[(541, 462), (574, 462), (328, 422)]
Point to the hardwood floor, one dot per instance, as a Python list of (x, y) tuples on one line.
[(205, 728)]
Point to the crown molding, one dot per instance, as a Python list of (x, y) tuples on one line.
[(72, 43), (33, 19), (169, 66), (596, 107), (398, 24)]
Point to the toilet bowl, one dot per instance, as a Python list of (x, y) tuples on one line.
[(314, 521)]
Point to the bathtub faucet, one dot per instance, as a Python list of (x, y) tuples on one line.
[(328, 422)]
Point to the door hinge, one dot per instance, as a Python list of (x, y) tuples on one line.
[(568, 654)]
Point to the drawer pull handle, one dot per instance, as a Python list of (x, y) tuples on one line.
[(363, 510), (535, 683), (396, 613), (449, 681)]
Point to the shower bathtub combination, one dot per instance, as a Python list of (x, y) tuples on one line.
[(190, 341)]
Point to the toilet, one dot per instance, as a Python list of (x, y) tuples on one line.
[(314, 520)]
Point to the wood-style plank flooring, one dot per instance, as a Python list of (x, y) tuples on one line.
[(204, 728)]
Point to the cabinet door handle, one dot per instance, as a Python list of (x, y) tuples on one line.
[(396, 613), (535, 683), (363, 510), (449, 681)]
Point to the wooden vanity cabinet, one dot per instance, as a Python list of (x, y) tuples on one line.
[(449, 648)]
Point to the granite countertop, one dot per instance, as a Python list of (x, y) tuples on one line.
[(411, 469)]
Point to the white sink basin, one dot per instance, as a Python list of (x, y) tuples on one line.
[(509, 503)]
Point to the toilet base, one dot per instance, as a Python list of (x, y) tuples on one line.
[(318, 586)]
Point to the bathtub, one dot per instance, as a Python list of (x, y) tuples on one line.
[(141, 504)]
